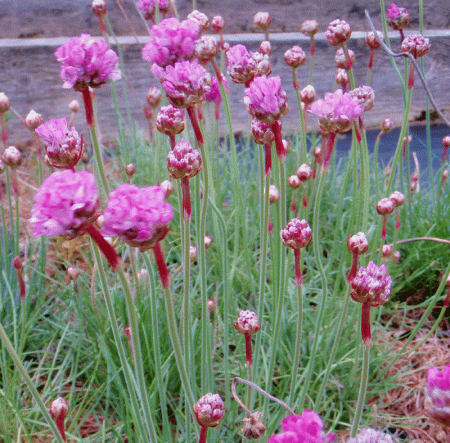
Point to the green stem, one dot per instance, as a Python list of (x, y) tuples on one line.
[(362, 389), (98, 159), (23, 372)]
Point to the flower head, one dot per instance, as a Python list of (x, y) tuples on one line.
[(12, 157), (247, 323), (304, 428), (205, 49), (371, 40), (308, 95), (341, 59), (261, 132), (397, 198), (63, 146), (153, 97), (337, 111), (184, 161), (397, 18), (295, 57), (385, 206), (371, 285), (5, 103), (170, 120), (261, 21), (87, 61), (217, 24), (365, 96), (266, 99), (184, 83), (358, 243), (304, 172), (148, 7), (200, 18), (66, 202), (214, 95), (309, 27), (297, 234), (172, 41), (209, 410), (338, 32), (416, 44), (369, 435), (437, 401), (139, 216), (240, 64), (33, 120)]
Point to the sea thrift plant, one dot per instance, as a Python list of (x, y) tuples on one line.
[(148, 8), (338, 32), (87, 62), (337, 113), (170, 121), (297, 235), (398, 199), (307, 427), (183, 163), (63, 146), (58, 410), (385, 207), (66, 205), (12, 157), (209, 410), (200, 18), (437, 400), (247, 324), (172, 41), (266, 100), (397, 18), (371, 287)]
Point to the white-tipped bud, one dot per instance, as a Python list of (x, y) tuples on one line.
[(74, 106), (5, 104), (12, 157), (33, 120), (274, 194)]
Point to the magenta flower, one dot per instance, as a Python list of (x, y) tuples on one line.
[(170, 120), (397, 18), (139, 216), (241, 66), (213, 95), (184, 83), (172, 42), (87, 61), (369, 435), (437, 401), (304, 428), (209, 410), (66, 203), (63, 146), (265, 99), (247, 323), (337, 111), (148, 9)]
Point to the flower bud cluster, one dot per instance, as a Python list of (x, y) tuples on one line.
[(338, 32), (209, 410), (247, 323), (297, 234), (184, 161), (437, 400), (170, 120)]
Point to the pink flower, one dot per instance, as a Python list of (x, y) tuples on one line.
[(172, 42), (337, 111), (416, 44), (139, 216), (397, 18), (266, 99), (66, 202), (63, 145), (437, 400), (147, 7), (240, 64), (297, 234), (184, 83), (87, 61), (213, 95), (209, 410), (371, 285), (184, 161), (247, 323), (304, 428), (170, 120)]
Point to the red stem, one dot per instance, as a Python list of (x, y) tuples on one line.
[(60, 426), (398, 223), (293, 204), (4, 133), (19, 270), (298, 268), (268, 158), (203, 432), (304, 199), (281, 153), (372, 52), (163, 271), (195, 126), (248, 350), (411, 76), (173, 142), (447, 299), (444, 154), (383, 230), (328, 151), (354, 267), (88, 107), (108, 251), (313, 46), (365, 324), (186, 196)]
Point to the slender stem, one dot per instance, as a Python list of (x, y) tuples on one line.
[(203, 432), (98, 158), (362, 389), (186, 198), (164, 274), (108, 251), (23, 372), (312, 51), (88, 107), (365, 324)]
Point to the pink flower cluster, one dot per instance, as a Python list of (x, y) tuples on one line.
[(184, 161), (437, 400), (304, 428), (184, 83), (213, 95), (337, 111), (66, 202), (266, 99), (297, 234), (209, 410), (241, 65), (139, 216), (172, 42), (63, 145), (87, 61), (371, 285), (247, 323), (397, 18), (148, 7)]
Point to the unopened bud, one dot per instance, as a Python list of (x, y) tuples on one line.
[(33, 120), (209, 410), (208, 241), (365, 96), (153, 97), (385, 206), (386, 251), (274, 195), (193, 253), (371, 40), (74, 106), (265, 48), (357, 244), (386, 125), (304, 172), (99, 8), (309, 27), (217, 24), (12, 157), (308, 95), (200, 18), (5, 104), (72, 272), (446, 141), (341, 59), (342, 78), (130, 169), (397, 198), (59, 409), (338, 32), (294, 182), (261, 21), (205, 49), (168, 187), (295, 57), (212, 305)]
